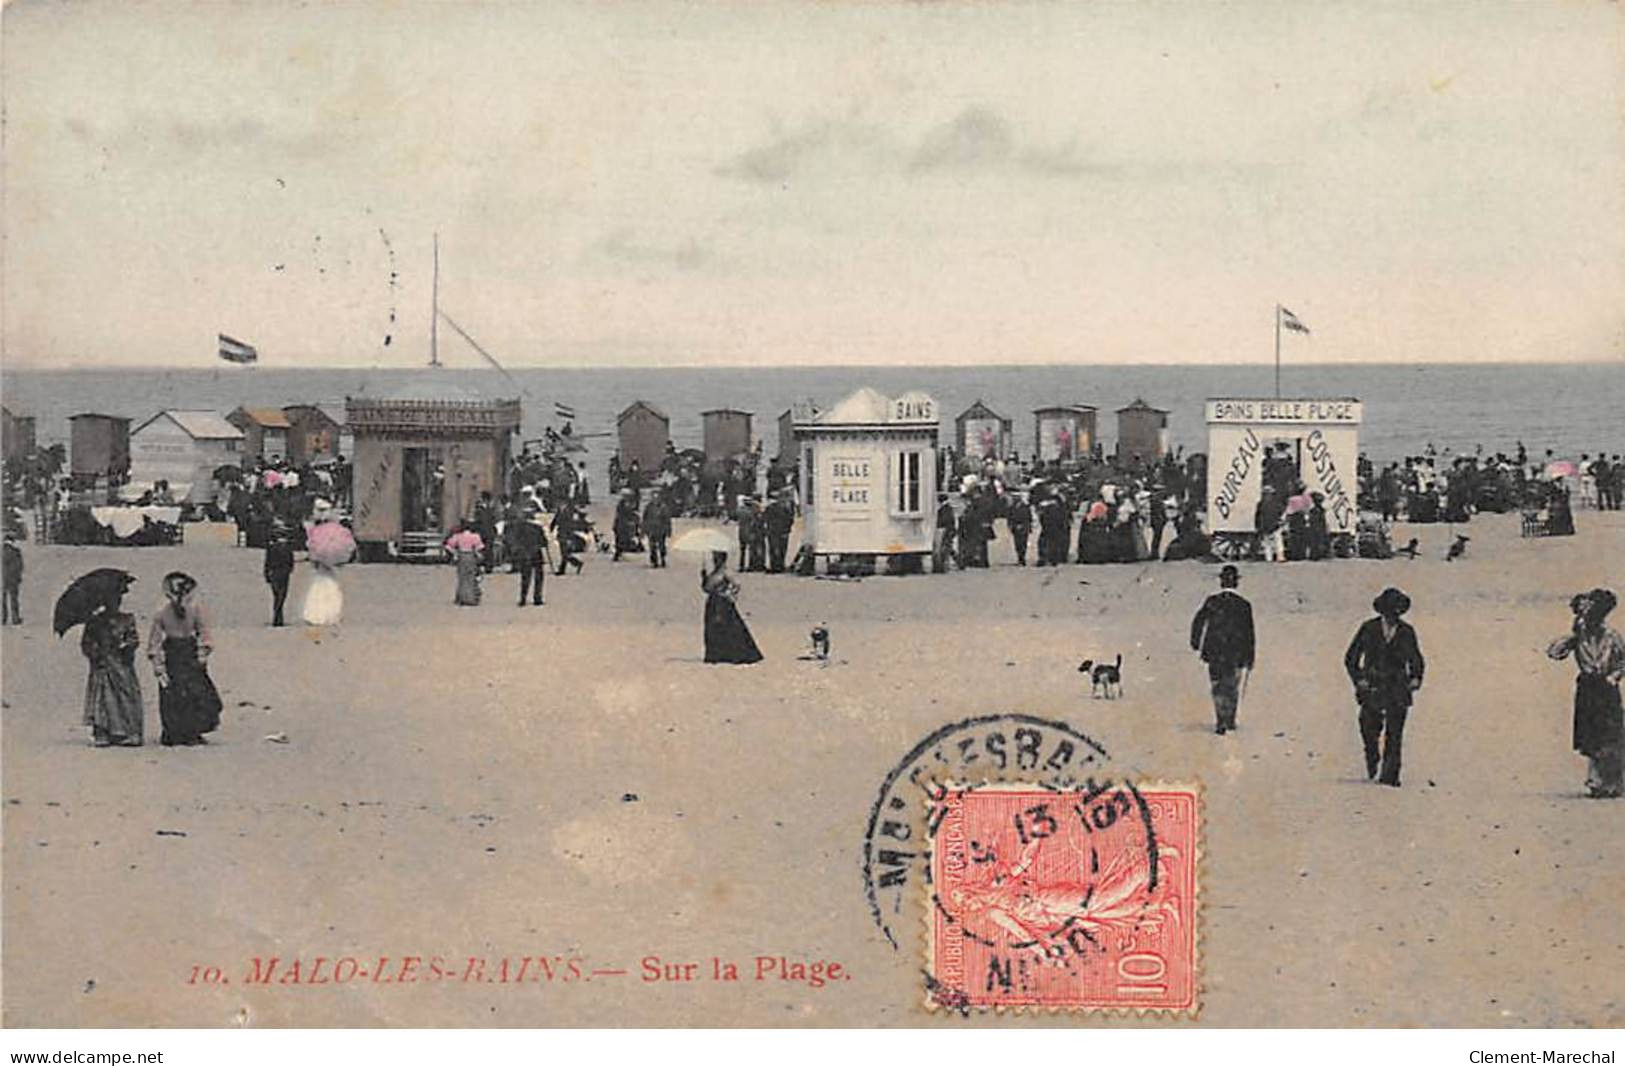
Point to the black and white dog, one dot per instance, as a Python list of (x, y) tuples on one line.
[(1105, 679)]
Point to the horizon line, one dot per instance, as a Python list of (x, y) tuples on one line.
[(6, 366)]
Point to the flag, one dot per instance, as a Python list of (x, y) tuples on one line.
[(235, 351), (564, 411), (1290, 321)]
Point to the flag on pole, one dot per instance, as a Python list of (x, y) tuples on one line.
[(564, 411), (1290, 321), (235, 351)]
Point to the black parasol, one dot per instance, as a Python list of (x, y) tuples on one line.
[(88, 594)]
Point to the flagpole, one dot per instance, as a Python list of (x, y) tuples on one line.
[(434, 315), (1277, 351)]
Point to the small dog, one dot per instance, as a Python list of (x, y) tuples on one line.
[(1409, 551), (1105, 679), (1458, 549), (820, 642)]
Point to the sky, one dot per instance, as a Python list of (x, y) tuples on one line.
[(777, 183)]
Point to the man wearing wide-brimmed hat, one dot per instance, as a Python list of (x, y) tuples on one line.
[(1385, 663), (1599, 652), (1222, 632)]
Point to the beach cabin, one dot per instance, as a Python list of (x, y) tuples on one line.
[(422, 458), (17, 440), (643, 431), (868, 480), (726, 435), (1142, 432), (1321, 436), (98, 445), (317, 431), (981, 433), (1064, 433), (265, 432), (184, 448)]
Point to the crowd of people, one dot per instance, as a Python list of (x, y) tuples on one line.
[(1093, 511), (264, 495)]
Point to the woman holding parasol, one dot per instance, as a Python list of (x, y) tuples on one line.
[(179, 648), (727, 638), (329, 546), (113, 708)]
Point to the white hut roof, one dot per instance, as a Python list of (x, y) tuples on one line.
[(199, 425), (863, 407)]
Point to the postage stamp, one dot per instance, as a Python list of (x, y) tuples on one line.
[(1083, 900)]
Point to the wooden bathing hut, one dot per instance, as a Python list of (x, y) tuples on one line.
[(1142, 433), (422, 458), (1064, 433), (981, 433), (643, 431)]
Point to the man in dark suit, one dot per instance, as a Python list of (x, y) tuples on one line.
[(657, 527), (278, 568), (529, 541), (1385, 663), (1222, 632), (11, 570), (1018, 516), (779, 518)]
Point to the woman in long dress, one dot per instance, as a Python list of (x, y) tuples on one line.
[(113, 708), (468, 549), (727, 638), (1599, 652), (179, 648), (329, 546)]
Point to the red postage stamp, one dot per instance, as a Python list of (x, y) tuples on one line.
[(1069, 901)]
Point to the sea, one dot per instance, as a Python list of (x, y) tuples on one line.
[(1569, 408)]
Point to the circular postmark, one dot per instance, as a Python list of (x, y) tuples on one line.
[(1025, 857)]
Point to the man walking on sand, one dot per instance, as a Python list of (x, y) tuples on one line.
[(1222, 632), (278, 568), (11, 571), (1385, 663)]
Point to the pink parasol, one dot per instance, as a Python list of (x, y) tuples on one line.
[(273, 478), (1561, 468), (330, 544), (1300, 502), (465, 540)]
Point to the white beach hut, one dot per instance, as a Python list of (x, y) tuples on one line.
[(184, 448), (868, 479)]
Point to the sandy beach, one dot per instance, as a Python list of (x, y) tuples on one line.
[(573, 783)]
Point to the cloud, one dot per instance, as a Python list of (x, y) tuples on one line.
[(977, 140), (190, 136), (625, 246)]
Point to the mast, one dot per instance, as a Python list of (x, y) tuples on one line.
[(434, 314), (1277, 351)]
